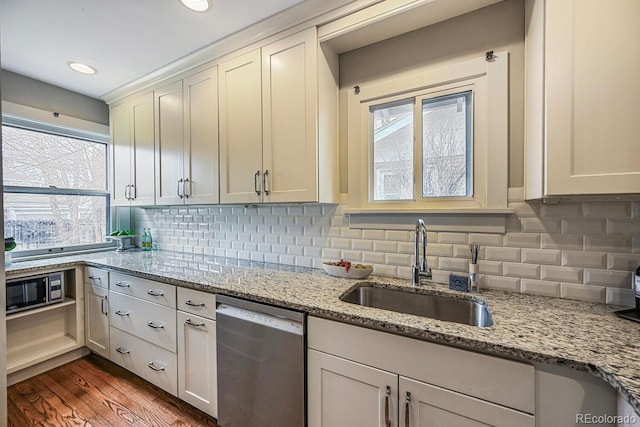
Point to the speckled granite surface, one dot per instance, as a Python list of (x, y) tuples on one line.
[(582, 336)]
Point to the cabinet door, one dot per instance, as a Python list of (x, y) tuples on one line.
[(424, 405), (290, 99), (97, 319), (201, 137), (345, 393), (121, 161), (142, 145), (169, 144), (240, 129), (592, 100), (197, 376)]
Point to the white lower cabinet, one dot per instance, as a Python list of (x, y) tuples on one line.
[(155, 364), (97, 319), (360, 377), (197, 362)]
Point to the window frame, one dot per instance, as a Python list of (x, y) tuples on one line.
[(32, 119), (488, 80)]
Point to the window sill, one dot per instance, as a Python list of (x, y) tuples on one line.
[(463, 220)]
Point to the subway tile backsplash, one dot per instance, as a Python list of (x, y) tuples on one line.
[(576, 250)]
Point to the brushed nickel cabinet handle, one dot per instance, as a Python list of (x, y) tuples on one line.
[(103, 310), (180, 181), (154, 367), (155, 326), (155, 293), (265, 180), (387, 420), (122, 313), (193, 304), (186, 193), (122, 350), (192, 323), (123, 284), (407, 408), (255, 182)]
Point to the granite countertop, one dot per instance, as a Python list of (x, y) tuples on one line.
[(582, 336)]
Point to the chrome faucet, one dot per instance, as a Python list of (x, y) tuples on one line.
[(420, 267)]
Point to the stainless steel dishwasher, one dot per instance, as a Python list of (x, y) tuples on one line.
[(261, 364)]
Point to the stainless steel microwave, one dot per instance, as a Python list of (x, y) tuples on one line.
[(34, 291)]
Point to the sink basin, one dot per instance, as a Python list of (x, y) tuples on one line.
[(428, 305)]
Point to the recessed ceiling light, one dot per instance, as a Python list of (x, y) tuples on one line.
[(197, 5), (81, 68)]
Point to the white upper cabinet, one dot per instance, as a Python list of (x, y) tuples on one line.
[(271, 103), (581, 97), (240, 129), (187, 140), (132, 152)]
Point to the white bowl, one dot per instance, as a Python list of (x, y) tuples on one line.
[(353, 273)]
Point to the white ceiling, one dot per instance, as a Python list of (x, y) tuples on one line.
[(123, 39)]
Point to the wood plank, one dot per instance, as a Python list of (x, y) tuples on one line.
[(94, 392)]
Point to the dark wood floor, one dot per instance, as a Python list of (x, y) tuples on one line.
[(95, 392)]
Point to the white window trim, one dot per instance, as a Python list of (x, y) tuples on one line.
[(46, 121), (491, 124)]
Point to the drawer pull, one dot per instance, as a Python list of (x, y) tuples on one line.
[(155, 293), (122, 313), (104, 310), (407, 408), (193, 304), (94, 278), (122, 350), (155, 326), (154, 367), (192, 323), (122, 284), (387, 419)]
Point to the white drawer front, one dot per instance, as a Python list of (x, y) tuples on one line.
[(197, 302), (96, 277), (152, 322), (154, 364), (148, 290)]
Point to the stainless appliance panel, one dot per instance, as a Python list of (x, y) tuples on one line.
[(261, 365)]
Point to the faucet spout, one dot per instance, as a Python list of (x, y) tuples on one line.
[(420, 267)]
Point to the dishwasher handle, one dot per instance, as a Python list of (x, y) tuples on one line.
[(262, 319)]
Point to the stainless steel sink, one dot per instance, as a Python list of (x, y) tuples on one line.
[(428, 305)]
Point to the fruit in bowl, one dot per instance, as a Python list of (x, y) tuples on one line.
[(344, 268)]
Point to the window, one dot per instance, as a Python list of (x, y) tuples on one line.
[(436, 139), (55, 187)]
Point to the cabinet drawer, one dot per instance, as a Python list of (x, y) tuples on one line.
[(197, 302), (96, 277), (153, 363), (152, 322), (148, 290)]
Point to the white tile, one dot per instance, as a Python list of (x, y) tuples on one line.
[(312, 210), (302, 220), (273, 258), (373, 234), (526, 209), (398, 259), (295, 210), (454, 238), (439, 249), (501, 283), (303, 240), (561, 274), (485, 239), (384, 246), (353, 256), (330, 231), (544, 225), (295, 250), (503, 254), (286, 259), (453, 264), (542, 256), (572, 242), (636, 244), (362, 245), (522, 240), (584, 226), (584, 259), (385, 270), (287, 239), (440, 276), (400, 236), (624, 297), (623, 226), (635, 210), (625, 262), (562, 210), (607, 210), (615, 243), (313, 252), (341, 243), (351, 233), (539, 287), (331, 254), (490, 267), (526, 271), (407, 248), (461, 251), (583, 292), (513, 224), (302, 261), (373, 257), (405, 273), (322, 242), (608, 278)]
